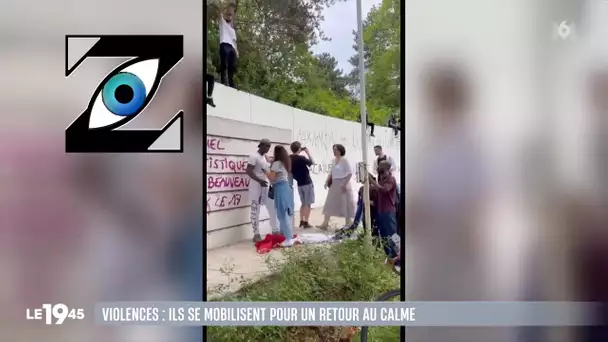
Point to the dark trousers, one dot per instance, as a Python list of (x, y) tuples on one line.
[(359, 212), (359, 218), (395, 127), (227, 64), (372, 127), (387, 226), (210, 80), (360, 215)]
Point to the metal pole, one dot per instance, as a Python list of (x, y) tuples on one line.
[(367, 223)]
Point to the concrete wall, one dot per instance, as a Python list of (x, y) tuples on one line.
[(235, 126)]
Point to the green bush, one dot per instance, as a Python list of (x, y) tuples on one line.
[(348, 271)]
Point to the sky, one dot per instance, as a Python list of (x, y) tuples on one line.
[(340, 21)]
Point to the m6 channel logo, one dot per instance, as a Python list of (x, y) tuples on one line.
[(563, 31)]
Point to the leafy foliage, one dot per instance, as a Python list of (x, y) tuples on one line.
[(382, 58), (314, 273), (275, 38)]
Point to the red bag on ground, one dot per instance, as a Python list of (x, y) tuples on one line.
[(270, 241)]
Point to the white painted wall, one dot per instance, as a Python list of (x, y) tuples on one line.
[(238, 122)]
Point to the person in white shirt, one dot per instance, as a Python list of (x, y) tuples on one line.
[(380, 156), (258, 189), (228, 49)]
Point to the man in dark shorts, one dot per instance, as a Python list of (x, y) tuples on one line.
[(301, 174)]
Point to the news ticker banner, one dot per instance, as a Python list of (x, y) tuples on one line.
[(470, 314)]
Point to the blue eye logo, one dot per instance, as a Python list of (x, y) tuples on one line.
[(124, 94)]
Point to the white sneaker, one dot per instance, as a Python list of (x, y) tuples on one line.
[(287, 243)]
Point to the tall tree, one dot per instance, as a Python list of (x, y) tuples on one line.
[(274, 39), (382, 59), (332, 77)]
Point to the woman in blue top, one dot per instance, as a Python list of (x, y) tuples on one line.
[(283, 193)]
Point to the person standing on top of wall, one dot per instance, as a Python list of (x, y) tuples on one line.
[(258, 189), (386, 205), (210, 80), (393, 122), (369, 124), (228, 50), (380, 157), (301, 173)]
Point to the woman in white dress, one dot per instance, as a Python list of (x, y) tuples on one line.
[(340, 201)]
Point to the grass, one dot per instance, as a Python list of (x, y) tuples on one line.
[(348, 271)]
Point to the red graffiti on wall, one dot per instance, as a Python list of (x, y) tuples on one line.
[(216, 202), (229, 163), (214, 144), (227, 182)]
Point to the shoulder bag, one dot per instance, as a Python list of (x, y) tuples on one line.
[(271, 188)]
